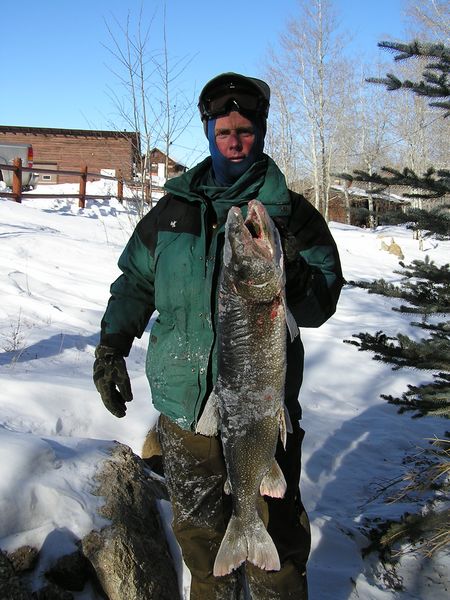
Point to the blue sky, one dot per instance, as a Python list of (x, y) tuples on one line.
[(56, 71)]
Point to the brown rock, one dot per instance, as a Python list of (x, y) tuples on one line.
[(131, 556), (24, 559)]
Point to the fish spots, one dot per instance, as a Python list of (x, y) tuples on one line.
[(275, 310)]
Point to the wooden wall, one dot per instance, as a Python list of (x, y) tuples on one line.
[(72, 151)]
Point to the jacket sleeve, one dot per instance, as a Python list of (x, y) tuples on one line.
[(132, 299), (313, 281)]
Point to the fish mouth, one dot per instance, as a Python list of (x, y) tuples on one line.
[(252, 253), (252, 237), (258, 227)]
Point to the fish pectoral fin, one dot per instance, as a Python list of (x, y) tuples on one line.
[(227, 486), (287, 420), (208, 424), (290, 321), (273, 483), (285, 424)]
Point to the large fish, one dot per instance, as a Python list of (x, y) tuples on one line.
[(247, 403)]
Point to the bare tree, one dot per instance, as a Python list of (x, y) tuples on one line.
[(430, 18), (308, 66), (131, 99), (177, 110), (147, 99), (280, 139), (375, 138)]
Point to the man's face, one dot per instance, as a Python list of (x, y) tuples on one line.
[(235, 136)]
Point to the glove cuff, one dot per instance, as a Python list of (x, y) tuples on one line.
[(107, 353)]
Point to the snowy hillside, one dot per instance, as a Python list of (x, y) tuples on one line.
[(57, 262)]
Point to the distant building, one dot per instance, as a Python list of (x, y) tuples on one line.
[(69, 149), (158, 167), (357, 200), (107, 152)]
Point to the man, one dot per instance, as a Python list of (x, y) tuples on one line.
[(172, 263)]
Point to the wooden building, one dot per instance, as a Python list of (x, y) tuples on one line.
[(357, 200), (70, 149), (158, 164)]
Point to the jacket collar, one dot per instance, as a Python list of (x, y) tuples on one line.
[(263, 181)]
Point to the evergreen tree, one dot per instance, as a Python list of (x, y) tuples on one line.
[(426, 399), (434, 84), (435, 221), (430, 528), (426, 289), (424, 286), (402, 351)]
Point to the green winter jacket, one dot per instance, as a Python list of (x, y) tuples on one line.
[(172, 263)]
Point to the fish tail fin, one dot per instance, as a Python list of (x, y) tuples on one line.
[(273, 483), (242, 543), (261, 549), (233, 549), (208, 424)]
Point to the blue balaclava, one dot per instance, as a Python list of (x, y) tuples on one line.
[(226, 172)]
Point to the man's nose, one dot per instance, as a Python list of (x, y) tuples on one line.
[(235, 140)]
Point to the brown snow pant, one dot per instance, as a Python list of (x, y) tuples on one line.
[(195, 474)]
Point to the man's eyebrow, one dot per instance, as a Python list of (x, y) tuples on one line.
[(243, 128)]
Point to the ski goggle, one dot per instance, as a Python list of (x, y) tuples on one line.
[(227, 97)]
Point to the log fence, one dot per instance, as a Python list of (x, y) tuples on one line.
[(17, 193)]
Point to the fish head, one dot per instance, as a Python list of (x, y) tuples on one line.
[(253, 256)]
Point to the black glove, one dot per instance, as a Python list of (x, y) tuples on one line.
[(111, 379)]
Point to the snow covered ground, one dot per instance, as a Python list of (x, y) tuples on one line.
[(57, 262)]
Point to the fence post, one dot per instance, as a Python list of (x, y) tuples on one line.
[(17, 180), (120, 187), (83, 180)]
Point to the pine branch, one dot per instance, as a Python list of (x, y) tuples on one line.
[(402, 351), (442, 328), (427, 531), (443, 105), (430, 222), (416, 49), (430, 86), (434, 82), (427, 270), (434, 85), (429, 399), (424, 285), (435, 184)]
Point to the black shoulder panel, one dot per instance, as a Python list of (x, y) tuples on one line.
[(171, 213)]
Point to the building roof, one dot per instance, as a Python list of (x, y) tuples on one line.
[(67, 132), (362, 193)]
